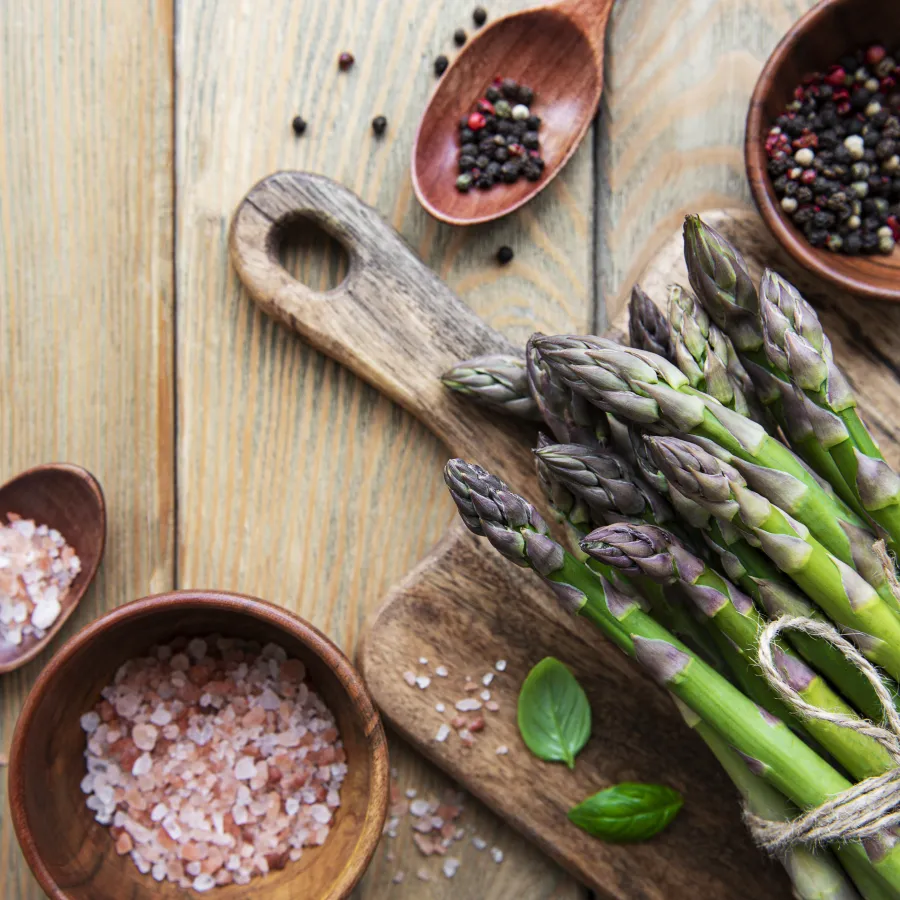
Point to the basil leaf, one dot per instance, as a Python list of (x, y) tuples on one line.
[(554, 713), (627, 811)]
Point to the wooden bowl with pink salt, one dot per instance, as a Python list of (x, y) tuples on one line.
[(195, 742)]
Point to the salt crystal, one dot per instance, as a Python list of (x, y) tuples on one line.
[(89, 722), (423, 661), (291, 805), (158, 871), (496, 854), (197, 648), (240, 815), (45, 614), (269, 700), (442, 733), (144, 737), (479, 843), (320, 814), (500, 665), (410, 793), (410, 678), (492, 705), (423, 875), (245, 768), (469, 704), (160, 716), (127, 705), (419, 807), (142, 765), (422, 682), (485, 695), (450, 867), (439, 707), (487, 679), (159, 812), (441, 671), (502, 750), (398, 878)]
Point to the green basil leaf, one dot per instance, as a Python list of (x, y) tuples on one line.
[(554, 713), (627, 811)]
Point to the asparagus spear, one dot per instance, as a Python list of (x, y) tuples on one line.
[(837, 589), (796, 346), (707, 357), (653, 552), (814, 875), (498, 381), (568, 415), (647, 326), (516, 530), (719, 277), (650, 391)]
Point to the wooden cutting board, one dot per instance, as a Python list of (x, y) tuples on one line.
[(395, 324)]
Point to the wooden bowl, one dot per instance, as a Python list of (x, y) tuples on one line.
[(69, 499), (73, 856), (827, 32)]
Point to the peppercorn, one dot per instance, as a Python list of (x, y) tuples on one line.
[(804, 195), (459, 37), (509, 88), (464, 182), (479, 16), (533, 123), (526, 95), (501, 154), (298, 123), (530, 140), (492, 94), (345, 60), (791, 188), (484, 182), (885, 148), (482, 161), (834, 242), (379, 125), (503, 109), (504, 126), (852, 244), (531, 170), (505, 255), (803, 215), (440, 65), (509, 171)]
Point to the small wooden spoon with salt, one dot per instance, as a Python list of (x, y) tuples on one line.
[(557, 51), (69, 499)]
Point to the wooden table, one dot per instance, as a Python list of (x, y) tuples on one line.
[(231, 455)]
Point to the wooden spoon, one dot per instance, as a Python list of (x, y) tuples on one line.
[(69, 499), (557, 50)]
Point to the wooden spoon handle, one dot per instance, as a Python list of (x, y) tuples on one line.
[(392, 321), (592, 17)]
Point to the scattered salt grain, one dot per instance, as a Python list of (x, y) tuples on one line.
[(492, 706), (419, 807), (496, 854), (410, 678), (411, 793), (441, 671), (439, 707), (423, 875), (479, 843), (485, 695), (398, 878), (487, 679), (203, 883), (450, 867), (469, 704), (502, 750), (500, 666), (423, 661), (442, 733), (422, 682)]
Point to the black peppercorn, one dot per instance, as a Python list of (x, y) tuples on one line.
[(779, 184), (459, 37), (530, 140), (852, 243), (501, 154), (345, 60), (379, 124), (486, 145), (842, 155), (885, 149), (823, 219), (466, 135), (509, 88), (533, 123), (778, 166), (871, 139), (803, 215), (469, 149), (869, 242), (299, 125), (492, 94), (493, 169), (804, 195), (485, 182), (490, 124), (526, 95), (466, 163), (504, 255), (479, 16), (509, 171), (790, 189), (440, 65), (531, 170), (519, 128), (859, 99), (481, 161), (504, 126)]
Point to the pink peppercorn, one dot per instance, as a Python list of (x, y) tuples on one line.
[(836, 76), (516, 150), (808, 176), (485, 106), (875, 54), (476, 121), (894, 224)]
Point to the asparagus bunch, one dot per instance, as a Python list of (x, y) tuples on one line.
[(719, 466)]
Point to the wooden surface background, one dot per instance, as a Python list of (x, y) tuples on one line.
[(231, 455)]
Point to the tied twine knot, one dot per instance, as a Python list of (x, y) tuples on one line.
[(869, 806)]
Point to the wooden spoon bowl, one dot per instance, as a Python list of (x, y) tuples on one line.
[(73, 856), (69, 499), (557, 51), (827, 32)]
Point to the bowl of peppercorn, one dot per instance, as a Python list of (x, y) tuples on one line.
[(822, 145)]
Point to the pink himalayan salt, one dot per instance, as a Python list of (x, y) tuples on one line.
[(169, 738)]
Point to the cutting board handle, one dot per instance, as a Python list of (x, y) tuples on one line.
[(392, 321)]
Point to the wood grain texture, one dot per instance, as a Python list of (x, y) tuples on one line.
[(558, 50), (86, 291), (294, 477), (831, 30), (678, 82)]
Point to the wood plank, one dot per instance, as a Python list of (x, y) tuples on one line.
[(86, 302), (292, 474), (678, 83)]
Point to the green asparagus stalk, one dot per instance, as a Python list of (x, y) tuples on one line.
[(570, 511), (719, 277), (706, 356), (650, 391), (837, 589), (647, 326), (516, 530), (796, 346), (651, 551), (568, 415), (498, 381), (814, 875)]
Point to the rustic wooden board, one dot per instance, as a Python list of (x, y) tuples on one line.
[(86, 298)]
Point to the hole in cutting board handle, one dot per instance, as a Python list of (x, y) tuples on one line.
[(311, 254)]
